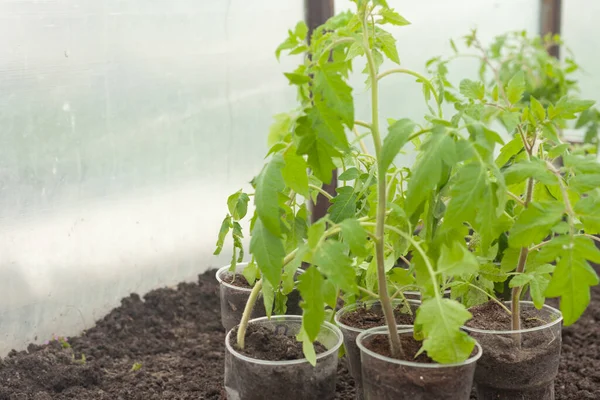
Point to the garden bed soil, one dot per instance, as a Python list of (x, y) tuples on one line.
[(174, 339)]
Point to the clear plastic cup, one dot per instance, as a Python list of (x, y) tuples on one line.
[(248, 378), (386, 378), (351, 333), (519, 364), (234, 298)]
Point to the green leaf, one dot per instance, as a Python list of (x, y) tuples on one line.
[(223, 231), (525, 169), (238, 205), (301, 30), (472, 89), (343, 205), (537, 289), (296, 79), (330, 89), (585, 182), (440, 321), (520, 280), (336, 265), (535, 222), (268, 295), (398, 134), (250, 272), (355, 236), (537, 109), (492, 273), (307, 347), (268, 252), (387, 43), (269, 183), (567, 107), (356, 49), (439, 149), (516, 87), (315, 232), (457, 260), (467, 189), (310, 285), (588, 210), (510, 150), (392, 17), (571, 280), (349, 175), (294, 172)]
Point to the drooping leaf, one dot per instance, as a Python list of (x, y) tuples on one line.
[(333, 261), (238, 205), (343, 205), (439, 149), (268, 295), (268, 251), (572, 277), (294, 172), (331, 90), (398, 134), (510, 150), (355, 236), (223, 231), (387, 43), (534, 223), (349, 175), (310, 285), (308, 347), (251, 272), (440, 322), (269, 183)]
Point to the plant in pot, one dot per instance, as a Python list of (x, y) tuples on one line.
[(366, 226), (529, 221)]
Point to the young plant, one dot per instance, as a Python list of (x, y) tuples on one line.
[(371, 220), (532, 221)]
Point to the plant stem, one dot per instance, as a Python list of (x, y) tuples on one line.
[(368, 292), (516, 291), (363, 124), (241, 333), (425, 81), (384, 297), (320, 190)]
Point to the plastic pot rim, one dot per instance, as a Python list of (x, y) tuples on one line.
[(325, 325), (352, 307), (225, 268), (382, 330), (551, 309)]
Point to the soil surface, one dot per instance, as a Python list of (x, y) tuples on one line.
[(170, 345), (236, 280), (490, 316), (263, 344), (381, 345), (370, 317)]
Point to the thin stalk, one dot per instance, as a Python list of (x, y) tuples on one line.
[(368, 292), (241, 333), (425, 81), (359, 138), (495, 300), (363, 124), (516, 291), (384, 297), (320, 190)]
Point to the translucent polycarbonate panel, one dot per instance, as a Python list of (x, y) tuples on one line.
[(124, 126), (433, 23), (580, 31)]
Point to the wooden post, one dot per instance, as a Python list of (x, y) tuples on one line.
[(550, 21), (316, 12)]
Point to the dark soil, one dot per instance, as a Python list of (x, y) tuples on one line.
[(236, 280), (176, 336), (381, 345), (264, 344), (491, 316), (370, 317)]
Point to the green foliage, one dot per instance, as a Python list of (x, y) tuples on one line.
[(459, 218)]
